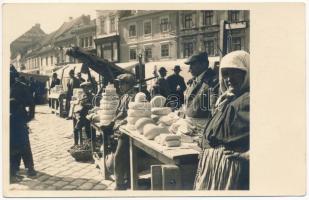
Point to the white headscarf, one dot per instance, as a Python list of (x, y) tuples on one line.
[(236, 60)]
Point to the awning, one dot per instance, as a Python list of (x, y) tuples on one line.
[(128, 65)]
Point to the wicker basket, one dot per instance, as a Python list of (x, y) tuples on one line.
[(81, 155)]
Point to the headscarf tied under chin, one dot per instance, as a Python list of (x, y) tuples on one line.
[(236, 60)]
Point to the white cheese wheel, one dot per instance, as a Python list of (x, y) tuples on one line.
[(109, 106), (132, 120), (140, 105), (173, 143), (105, 122), (110, 98), (167, 120), (158, 139), (158, 101), (140, 97), (161, 111), (139, 113), (96, 118), (139, 125), (151, 131), (106, 117), (106, 112)]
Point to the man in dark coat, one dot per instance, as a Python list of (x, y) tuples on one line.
[(20, 98), (201, 94), (177, 87), (73, 83), (161, 87), (55, 81)]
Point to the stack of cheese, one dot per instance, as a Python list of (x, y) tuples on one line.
[(169, 140), (108, 104), (157, 108), (138, 109), (183, 128), (151, 131)]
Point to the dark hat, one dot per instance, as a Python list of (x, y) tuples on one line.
[(128, 78), (162, 69), (201, 57), (177, 67)]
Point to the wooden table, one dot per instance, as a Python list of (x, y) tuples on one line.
[(180, 156), (57, 103)]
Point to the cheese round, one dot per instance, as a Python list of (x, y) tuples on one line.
[(106, 117), (110, 98), (158, 101), (173, 143), (139, 113), (151, 131), (106, 112), (140, 105), (161, 111), (139, 125), (130, 127), (95, 118), (109, 106), (140, 97), (132, 120), (105, 122)]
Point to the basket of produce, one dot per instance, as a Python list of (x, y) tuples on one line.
[(81, 152)]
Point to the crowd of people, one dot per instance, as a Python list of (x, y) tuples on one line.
[(216, 103)]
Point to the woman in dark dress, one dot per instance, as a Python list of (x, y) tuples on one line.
[(224, 161)]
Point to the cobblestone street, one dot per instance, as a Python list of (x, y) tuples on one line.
[(51, 137)]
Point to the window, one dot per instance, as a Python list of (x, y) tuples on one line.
[(187, 49), (51, 60), (208, 18), (164, 24), (86, 41), (133, 54), (113, 27), (148, 53), (132, 30), (209, 47), (41, 61), (90, 41), (46, 61), (102, 25), (165, 50), (147, 28), (188, 23), (236, 43), (234, 16), (81, 42)]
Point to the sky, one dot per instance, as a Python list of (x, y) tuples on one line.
[(21, 17)]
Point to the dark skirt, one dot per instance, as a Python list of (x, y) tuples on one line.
[(216, 172)]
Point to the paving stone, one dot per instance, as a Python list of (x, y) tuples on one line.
[(60, 183), (86, 186), (78, 182), (99, 187), (43, 178)]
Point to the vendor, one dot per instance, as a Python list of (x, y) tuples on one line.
[(121, 159), (226, 137), (72, 83), (202, 88), (80, 112)]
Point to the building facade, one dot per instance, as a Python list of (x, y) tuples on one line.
[(152, 34), (107, 35), (215, 31)]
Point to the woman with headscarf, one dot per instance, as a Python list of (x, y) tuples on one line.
[(224, 161)]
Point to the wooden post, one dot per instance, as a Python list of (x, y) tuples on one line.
[(133, 166)]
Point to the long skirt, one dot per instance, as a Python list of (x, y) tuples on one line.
[(217, 172)]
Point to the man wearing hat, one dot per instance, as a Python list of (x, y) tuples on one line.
[(202, 88), (177, 86), (73, 83), (81, 111), (161, 87)]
